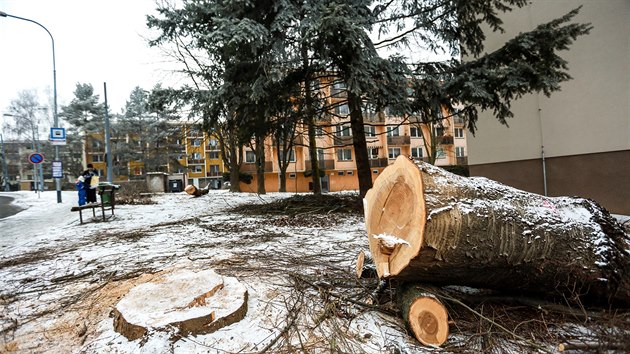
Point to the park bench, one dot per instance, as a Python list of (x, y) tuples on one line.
[(107, 193)]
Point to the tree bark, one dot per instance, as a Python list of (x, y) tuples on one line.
[(427, 225), (360, 146)]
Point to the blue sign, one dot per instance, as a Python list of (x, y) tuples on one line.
[(57, 134), (36, 158)]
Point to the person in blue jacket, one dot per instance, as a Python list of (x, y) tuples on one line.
[(80, 184)]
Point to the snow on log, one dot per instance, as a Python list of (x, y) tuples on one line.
[(191, 303), (481, 233), (424, 314)]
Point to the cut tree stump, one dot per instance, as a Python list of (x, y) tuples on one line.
[(192, 303), (426, 225), (196, 192), (424, 314)]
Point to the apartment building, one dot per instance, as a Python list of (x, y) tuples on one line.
[(577, 141), (187, 152), (387, 137)]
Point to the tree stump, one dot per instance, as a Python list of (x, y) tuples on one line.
[(426, 225), (191, 303)]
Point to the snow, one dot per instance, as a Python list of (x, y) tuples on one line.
[(391, 241), (60, 279)]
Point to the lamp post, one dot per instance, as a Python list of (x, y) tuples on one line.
[(5, 171), (55, 117)]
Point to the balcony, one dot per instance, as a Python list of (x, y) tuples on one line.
[(298, 140), (251, 167), (196, 161), (379, 162), (214, 174), (342, 140), (378, 117), (323, 165), (446, 140), (398, 140), (458, 120), (462, 160)]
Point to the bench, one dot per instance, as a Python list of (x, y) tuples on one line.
[(107, 193)]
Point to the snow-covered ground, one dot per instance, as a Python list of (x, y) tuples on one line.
[(60, 280)]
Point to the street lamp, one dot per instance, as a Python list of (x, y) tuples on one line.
[(5, 172), (55, 117)]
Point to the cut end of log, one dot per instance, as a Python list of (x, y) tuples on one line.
[(190, 189), (395, 207), (428, 320)]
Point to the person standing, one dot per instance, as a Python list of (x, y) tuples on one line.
[(87, 177)]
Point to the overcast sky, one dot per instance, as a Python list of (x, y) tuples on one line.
[(96, 41)]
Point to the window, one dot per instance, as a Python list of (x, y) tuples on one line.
[(196, 156), (338, 88), (319, 130), (415, 132), (213, 142), (97, 158), (440, 153), (375, 172), (196, 142), (100, 173), (344, 155), (198, 169), (340, 173), (459, 151), (349, 173), (214, 169), (370, 130), (137, 171), (459, 132), (342, 109), (250, 156), (373, 153), (96, 144), (416, 152), (213, 155), (343, 130), (438, 131), (393, 153), (291, 175), (320, 154), (291, 155), (393, 130)]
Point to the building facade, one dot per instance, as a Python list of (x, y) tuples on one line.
[(576, 142), (387, 137)]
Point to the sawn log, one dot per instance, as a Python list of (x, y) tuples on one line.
[(426, 225)]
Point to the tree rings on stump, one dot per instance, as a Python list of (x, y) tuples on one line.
[(189, 302)]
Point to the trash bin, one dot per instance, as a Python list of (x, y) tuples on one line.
[(175, 185)]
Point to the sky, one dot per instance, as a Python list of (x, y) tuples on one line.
[(96, 42)]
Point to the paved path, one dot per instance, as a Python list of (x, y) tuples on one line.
[(6, 208)]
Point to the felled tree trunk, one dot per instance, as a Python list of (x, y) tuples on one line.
[(196, 192), (192, 303), (427, 225)]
